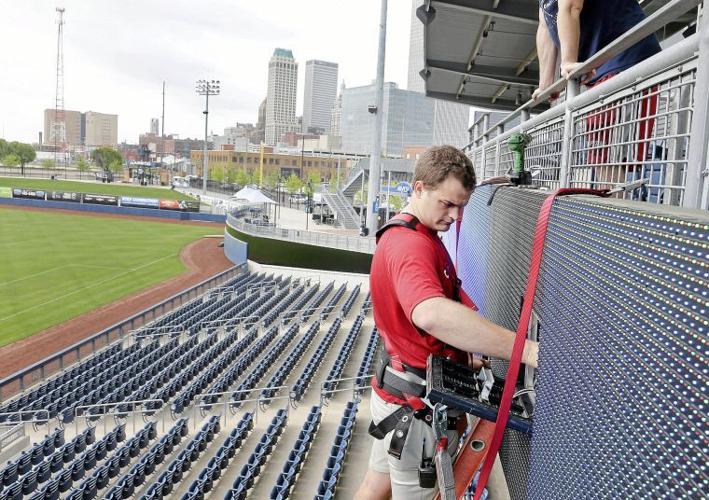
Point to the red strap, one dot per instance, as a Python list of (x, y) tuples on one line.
[(516, 358)]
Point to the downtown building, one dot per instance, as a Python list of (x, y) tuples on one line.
[(450, 119), (320, 95), (281, 96), (408, 120), (90, 129)]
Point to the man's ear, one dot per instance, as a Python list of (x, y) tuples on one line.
[(418, 188)]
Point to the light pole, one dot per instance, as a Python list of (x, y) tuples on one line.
[(308, 204), (206, 88)]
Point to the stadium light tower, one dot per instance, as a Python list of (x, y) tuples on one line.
[(206, 88)]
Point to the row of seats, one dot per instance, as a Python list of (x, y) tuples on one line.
[(210, 474), (366, 364), (22, 475), (334, 300), (206, 363), (219, 365), (344, 355), (258, 458), (296, 457), (308, 372), (132, 384), (315, 303), (94, 389), (52, 390), (270, 316), (258, 308), (336, 460), (101, 476), (184, 459), (287, 366), (243, 390), (37, 453), (299, 304), (350, 301), (240, 367)]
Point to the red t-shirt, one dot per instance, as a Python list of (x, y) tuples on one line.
[(408, 267)]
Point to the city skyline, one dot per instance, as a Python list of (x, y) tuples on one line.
[(119, 67)]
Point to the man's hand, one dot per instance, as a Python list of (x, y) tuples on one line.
[(567, 69)]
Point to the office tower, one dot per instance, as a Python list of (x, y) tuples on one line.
[(450, 119), (281, 96), (99, 129), (155, 126), (320, 94), (408, 120), (336, 114)]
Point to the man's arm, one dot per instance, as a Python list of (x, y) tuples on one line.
[(568, 23), (461, 327), (547, 54)]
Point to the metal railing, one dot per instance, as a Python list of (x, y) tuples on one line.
[(643, 124), (359, 385), (40, 370), (350, 243)]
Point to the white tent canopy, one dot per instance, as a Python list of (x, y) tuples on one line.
[(252, 195)]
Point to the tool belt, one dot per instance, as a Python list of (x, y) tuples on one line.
[(410, 382)]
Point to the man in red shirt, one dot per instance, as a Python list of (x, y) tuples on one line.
[(416, 298)]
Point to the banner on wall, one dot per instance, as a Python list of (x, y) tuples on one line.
[(63, 196), (182, 205), (101, 199), (5, 192), (131, 201), (34, 194)]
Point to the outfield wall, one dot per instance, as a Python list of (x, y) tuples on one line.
[(111, 209)]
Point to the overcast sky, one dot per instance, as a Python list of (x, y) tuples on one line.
[(118, 52)]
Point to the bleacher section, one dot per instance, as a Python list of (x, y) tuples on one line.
[(124, 423)]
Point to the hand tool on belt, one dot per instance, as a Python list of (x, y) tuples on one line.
[(444, 466), (407, 383)]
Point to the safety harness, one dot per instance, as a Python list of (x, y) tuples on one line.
[(402, 381)]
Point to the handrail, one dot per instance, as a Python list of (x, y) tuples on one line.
[(648, 26), (39, 365)]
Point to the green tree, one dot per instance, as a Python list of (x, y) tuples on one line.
[(242, 178), (116, 166), (271, 180), (47, 163), (106, 157), (11, 160), (293, 184), (24, 152), (82, 165), (4, 148), (396, 203)]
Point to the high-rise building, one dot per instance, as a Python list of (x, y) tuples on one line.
[(320, 94), (259, 133), (281, 97), (336, 113), (408, 119), (450, 119), (99, 129), (155, 126), (72, 121)]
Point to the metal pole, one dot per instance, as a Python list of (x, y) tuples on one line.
[(205, 161), (572, 90), (375, 157), (388, 192), (697, 187)]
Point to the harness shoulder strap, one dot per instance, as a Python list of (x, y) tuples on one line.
[(402, 220)]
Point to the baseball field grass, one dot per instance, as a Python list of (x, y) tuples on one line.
[(54, 267), (92, 187)]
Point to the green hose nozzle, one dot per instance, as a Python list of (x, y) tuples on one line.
[(516, 143)]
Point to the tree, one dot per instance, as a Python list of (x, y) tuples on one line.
[(11, 160), (82, 165), (106, 157), (47, 163), (242, 178), (4, 148), (116, 166), (24, 152), (271, 180), (293, 184)]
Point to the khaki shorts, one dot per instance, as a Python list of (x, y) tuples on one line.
[(404, 473)]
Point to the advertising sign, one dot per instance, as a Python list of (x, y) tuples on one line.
[(5, 192), (34, 194), (131, 201), (182, 205), (101, 199), (63, 196)]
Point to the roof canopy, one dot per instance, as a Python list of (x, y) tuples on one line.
[(252, 195)]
